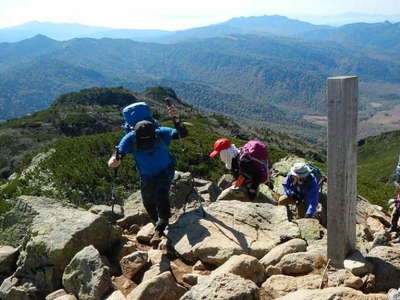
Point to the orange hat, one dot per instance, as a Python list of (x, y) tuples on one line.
[(220, 145)]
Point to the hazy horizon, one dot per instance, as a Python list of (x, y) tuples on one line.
[(180, 15)]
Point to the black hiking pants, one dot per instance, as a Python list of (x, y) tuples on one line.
[(155, 194), (395, 218)]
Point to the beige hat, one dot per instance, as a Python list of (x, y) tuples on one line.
[(300, 169)]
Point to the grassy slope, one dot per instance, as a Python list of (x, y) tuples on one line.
[(377, 159)]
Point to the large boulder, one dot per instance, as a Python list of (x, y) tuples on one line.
[(245, 266), (225, 286), (343, 293), (57, 233), (87, 275), (275, 255), (161, 287), (386, 262), (229, 228)]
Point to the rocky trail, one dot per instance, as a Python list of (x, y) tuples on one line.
[(225, 249)]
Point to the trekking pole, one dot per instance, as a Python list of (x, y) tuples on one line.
[(112, 189)]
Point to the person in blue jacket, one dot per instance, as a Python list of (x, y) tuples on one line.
[(148, 145), (301, 187)]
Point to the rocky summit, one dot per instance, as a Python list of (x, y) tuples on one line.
[(213, 249)]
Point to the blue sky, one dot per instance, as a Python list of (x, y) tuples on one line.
[(177, 14)]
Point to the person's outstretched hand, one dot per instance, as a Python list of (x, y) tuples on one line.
[(113, 162)]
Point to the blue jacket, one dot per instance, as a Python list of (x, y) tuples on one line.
[(307, 192), (154, 161)]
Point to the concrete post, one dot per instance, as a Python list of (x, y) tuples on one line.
[(342, 167)]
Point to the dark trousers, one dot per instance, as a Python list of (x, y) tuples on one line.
[(155, 195), (395, 218)]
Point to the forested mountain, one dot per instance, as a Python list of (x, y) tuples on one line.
[(385, 36), (83, 128)]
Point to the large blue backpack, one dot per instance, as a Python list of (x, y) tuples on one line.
[(137, 112)]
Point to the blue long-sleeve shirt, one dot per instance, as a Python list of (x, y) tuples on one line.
[(307, 192)]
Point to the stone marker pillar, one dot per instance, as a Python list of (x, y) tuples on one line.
[(342, 167)]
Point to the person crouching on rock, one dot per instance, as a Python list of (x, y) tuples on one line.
[(148, 145), (249, 165), (394, 205), (301, 187)]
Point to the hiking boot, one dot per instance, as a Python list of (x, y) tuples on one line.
[(158, 232), (156, 239)]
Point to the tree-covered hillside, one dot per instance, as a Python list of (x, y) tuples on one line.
[(279, 79), (77, 134), (377, 160)]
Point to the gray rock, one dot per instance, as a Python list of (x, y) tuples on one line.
[(386, 262), (116, 295), (8, 260), (14, 289), (229, 228), (162, 287), (356, 264), (275, 255), (133, 263), (145, 233), (331, 293), (299, 263), (310, 229), (108, 212), (87, 275), (134, 212), (279, 285), (245, 266), (57, 233), (211, 189), (56, 294), (226, 286)]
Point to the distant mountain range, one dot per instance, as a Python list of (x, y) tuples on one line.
[(265, 25), (279, 78)]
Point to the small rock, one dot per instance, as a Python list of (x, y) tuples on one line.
[(117, 295), (145, 233), (354, 282), (275, 255), (299, 263), (67, 297), (279, 285), (226, 286), (133, 263), (191, 278), (332, 293), (162, 287), (199, 266), (245, 266), (56, 294), (123, 284), (273, 270), (356, 264), (155, 270)]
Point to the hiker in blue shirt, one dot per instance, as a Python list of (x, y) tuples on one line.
[(301, 187), (148, 145)]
